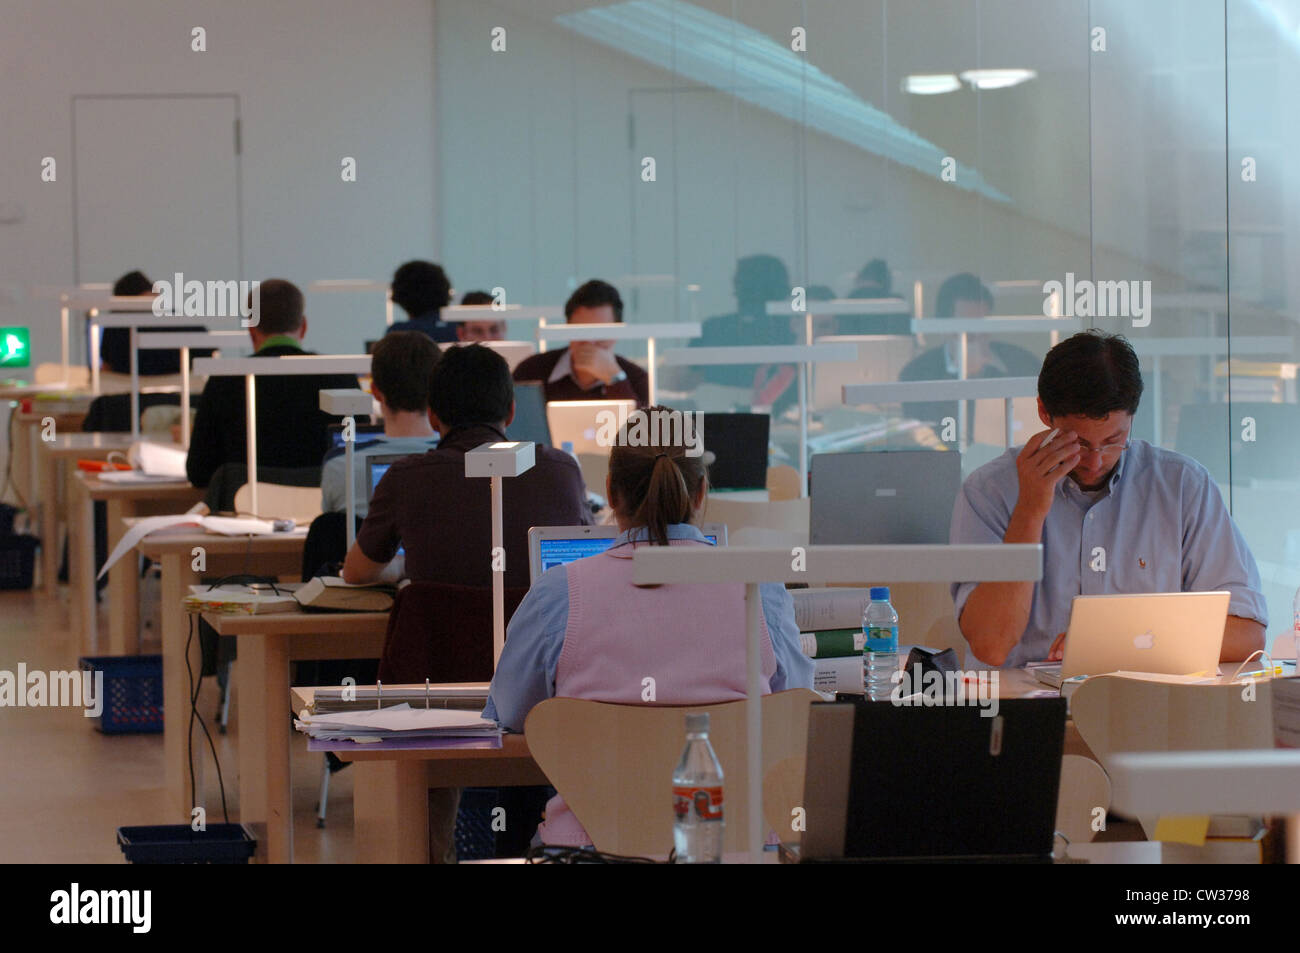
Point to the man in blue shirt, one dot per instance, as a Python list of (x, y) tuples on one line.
[(1114, 515)]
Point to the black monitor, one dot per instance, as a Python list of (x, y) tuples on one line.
[(738, 443), (530, 414)]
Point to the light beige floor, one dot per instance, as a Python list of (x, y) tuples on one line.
[(65, 788)]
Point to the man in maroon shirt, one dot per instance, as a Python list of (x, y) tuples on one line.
[(588, 370), (443, 519)]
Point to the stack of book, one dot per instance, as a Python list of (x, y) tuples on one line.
[(830, 633)]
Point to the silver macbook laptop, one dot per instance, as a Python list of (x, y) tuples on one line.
[(578, 422), (1167, 633), (550, 546), (883, 497)]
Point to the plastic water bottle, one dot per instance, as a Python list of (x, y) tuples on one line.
[(697, 797), (1295, 621), (880, 653)]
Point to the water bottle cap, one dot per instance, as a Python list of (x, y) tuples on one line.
[(880, 593), (697, 722)]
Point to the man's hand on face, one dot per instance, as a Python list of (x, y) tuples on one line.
[(1044, 461), (593, 361)]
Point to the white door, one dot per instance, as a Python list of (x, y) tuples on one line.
[(156, 185)]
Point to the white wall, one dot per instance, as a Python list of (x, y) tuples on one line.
[(316, 79)]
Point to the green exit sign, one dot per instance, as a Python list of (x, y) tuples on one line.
[(15, 347)]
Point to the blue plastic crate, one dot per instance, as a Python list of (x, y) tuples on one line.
[(133, 693), (17, 561), (179, 844), (475, 839)]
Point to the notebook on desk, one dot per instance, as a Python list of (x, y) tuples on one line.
[(1166, 633)]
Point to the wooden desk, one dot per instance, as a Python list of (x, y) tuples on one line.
[(267, 644), (177, 550), (49, 455), (124, 501), (390, 789)]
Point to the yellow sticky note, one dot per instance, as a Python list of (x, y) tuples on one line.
[(1183, 830)]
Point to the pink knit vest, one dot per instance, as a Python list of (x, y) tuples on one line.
[(689, 638)]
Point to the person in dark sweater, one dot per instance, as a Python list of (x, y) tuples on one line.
[(422, 289), (115, 343), (964, 296), (588, 370), (292, 430), (426, 505)]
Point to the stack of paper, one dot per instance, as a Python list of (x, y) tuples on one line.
[(242, 600), (398, 722)]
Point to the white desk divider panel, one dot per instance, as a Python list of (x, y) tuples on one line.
[(984, 388), (622, 332), (454, 313), (804, 355), (751, 565), (250, 368), (358, 285), (347, 403), (842, 306), (1259, 782), (184, 340)]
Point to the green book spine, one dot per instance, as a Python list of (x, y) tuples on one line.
[(833, 643)]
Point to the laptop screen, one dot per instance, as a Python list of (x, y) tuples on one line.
[(558, 552), (364, 434)]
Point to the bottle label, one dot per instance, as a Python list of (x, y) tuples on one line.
[(882, 638), (706, 802)]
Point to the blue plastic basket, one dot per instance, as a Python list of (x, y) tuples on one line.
[(17, 561), (475, 839), (133, 692), (178, 844)]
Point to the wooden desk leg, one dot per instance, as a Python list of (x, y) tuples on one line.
[(81, 568), (50, 548), (123, 589), (390, 809), (265, 789), (176, 580)]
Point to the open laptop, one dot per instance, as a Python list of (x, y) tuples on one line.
[(550, 546), (883, 497), (530, 415), (942, 783), (1168, 633), (738, 443), (362, 435), (578, 422)]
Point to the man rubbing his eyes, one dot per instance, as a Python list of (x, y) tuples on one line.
[(1114, 514)]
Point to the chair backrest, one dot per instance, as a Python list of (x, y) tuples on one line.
[(441, 632), (279, 501), (1084, 788), (229, 477), (1119, 713), (595, 467), (760, 523), (53, 374), (111, 413), (613, 765), (782, 482)]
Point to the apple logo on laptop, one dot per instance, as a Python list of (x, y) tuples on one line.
[(1144, 641)]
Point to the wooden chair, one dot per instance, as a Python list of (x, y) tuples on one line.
[(613, 765), (278, 501), (782, 482), (1116, 713), (1084, 788), (77, 377), (760, 523)]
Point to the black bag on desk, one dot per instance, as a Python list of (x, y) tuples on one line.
[(921, 662)]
